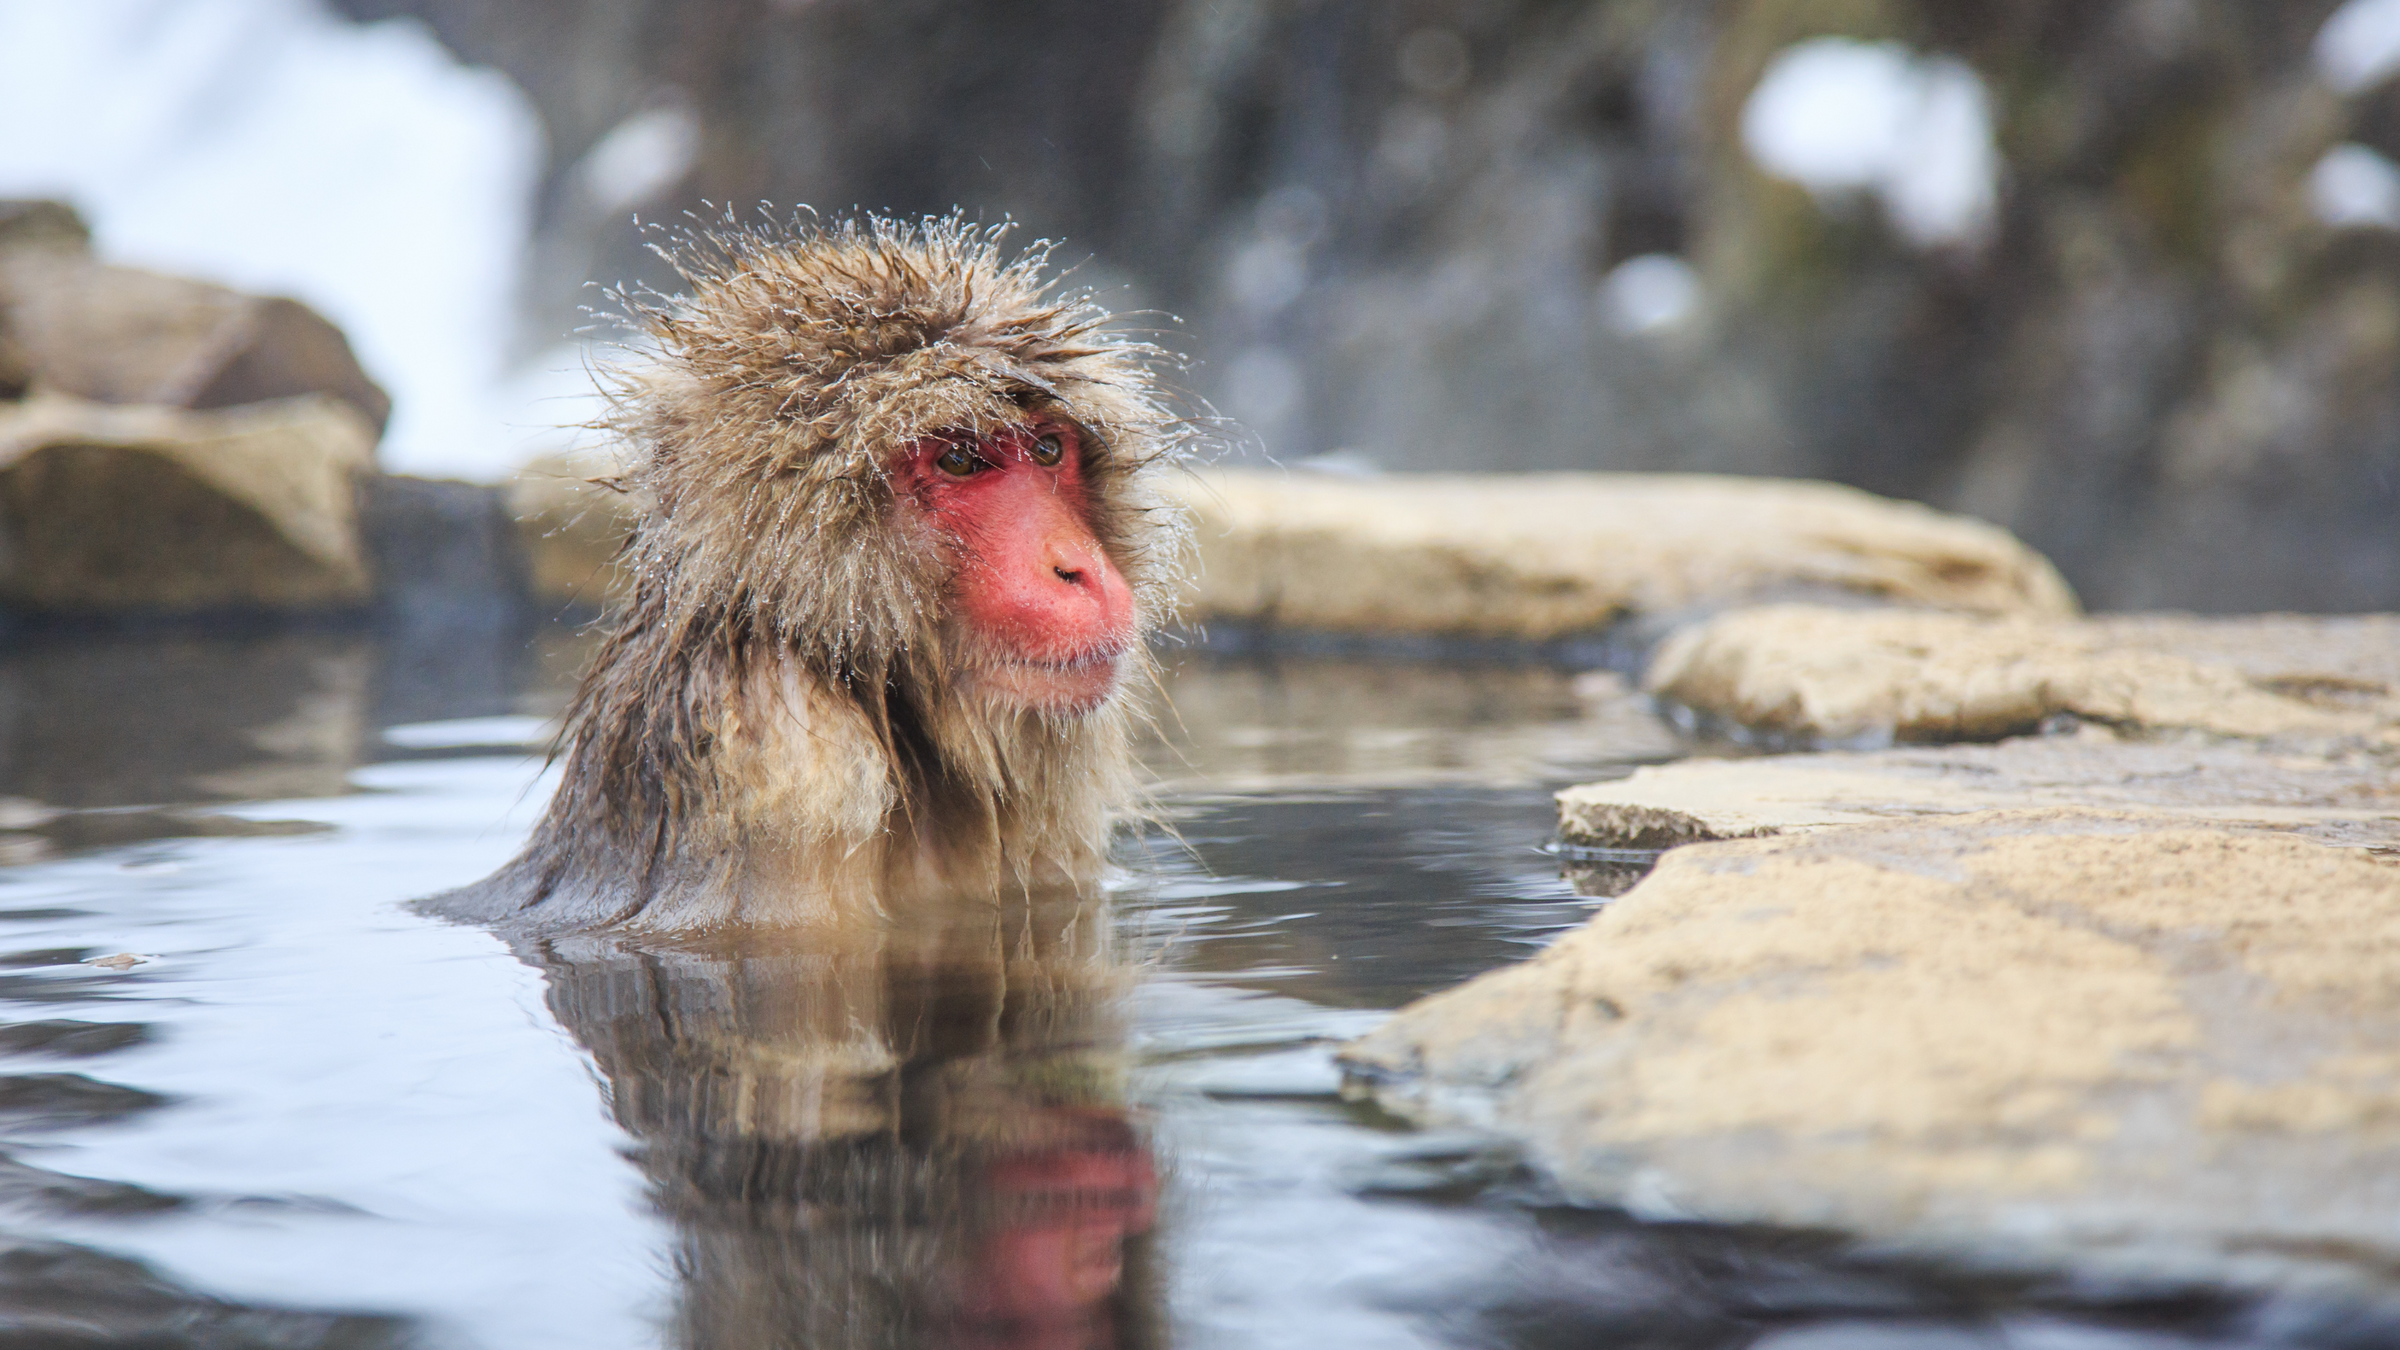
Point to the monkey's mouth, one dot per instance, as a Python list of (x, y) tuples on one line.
[(1077, 683), (1096, 659)]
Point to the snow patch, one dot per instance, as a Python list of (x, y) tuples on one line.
[(1262, 386), (2353, 185), (2359, 47), (641, 157), (1649, 293), (1841, 116)]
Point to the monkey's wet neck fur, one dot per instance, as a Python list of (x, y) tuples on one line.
[(727, 781)]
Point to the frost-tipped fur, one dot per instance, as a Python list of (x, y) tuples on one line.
[(774, 730)]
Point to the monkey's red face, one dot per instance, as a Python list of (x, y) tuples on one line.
[(1045, 615)]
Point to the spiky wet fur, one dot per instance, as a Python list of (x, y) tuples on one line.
[(774, 730)]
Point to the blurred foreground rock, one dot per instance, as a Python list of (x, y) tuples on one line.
[(2022, 1037), (156, 510)]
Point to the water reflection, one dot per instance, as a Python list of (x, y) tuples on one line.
[(1294, 723), (916, 1135), (121, 721), (95, 721)]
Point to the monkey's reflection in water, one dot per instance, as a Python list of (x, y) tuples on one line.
[(914, 1137)]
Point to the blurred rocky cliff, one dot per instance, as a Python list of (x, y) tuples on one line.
[(2163, 345)]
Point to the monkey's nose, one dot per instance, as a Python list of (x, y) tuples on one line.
[(1089, 594), (1089, 576), (1072, 555), (1047, 589)]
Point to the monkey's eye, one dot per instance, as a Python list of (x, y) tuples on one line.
[(958, 462), (1046, 451)]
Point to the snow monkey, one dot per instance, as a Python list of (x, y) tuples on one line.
[(899, 545)]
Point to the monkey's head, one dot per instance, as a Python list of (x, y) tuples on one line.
[(894, 453)]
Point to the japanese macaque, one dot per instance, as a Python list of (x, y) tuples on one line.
[(898, 553)]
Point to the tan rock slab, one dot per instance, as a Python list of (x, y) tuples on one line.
[(116, 509), (1539, 556), (2349, 798), (1812, 674), (2037, 1036)]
